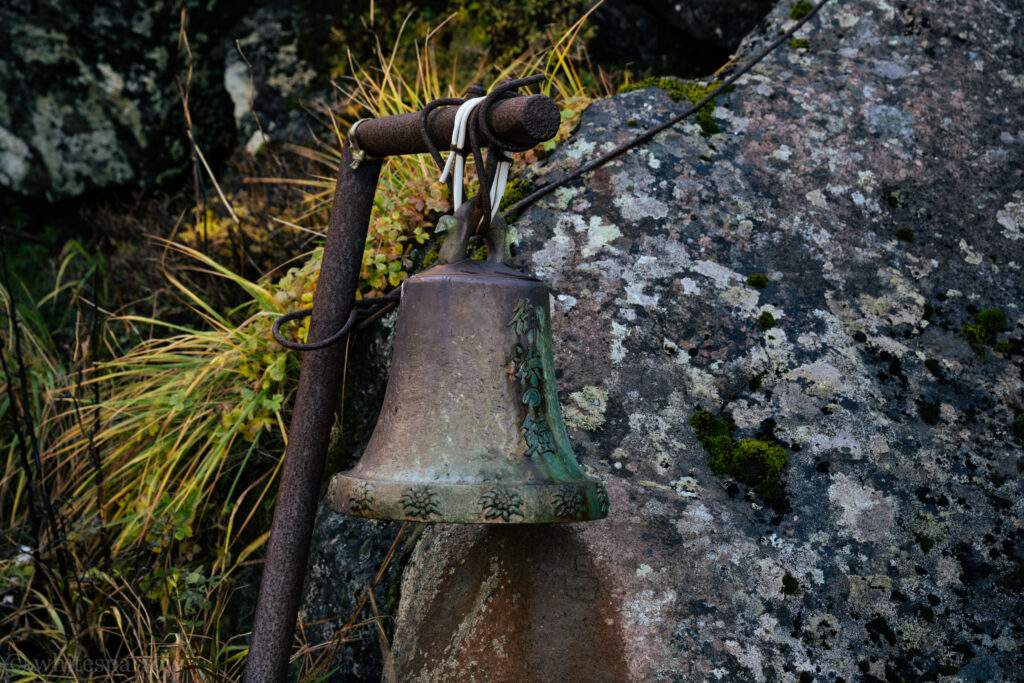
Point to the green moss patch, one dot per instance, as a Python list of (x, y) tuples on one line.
[(754, 462), (766, 320), (684, 91), (790, 585), (1018, 426), (982, 332), (757, 280), (905, 234), (799, 44), (518, 188), (800, 10)]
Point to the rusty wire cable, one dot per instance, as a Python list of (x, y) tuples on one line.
[(605, 158)]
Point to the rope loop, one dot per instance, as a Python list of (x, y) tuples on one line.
[(471, 117)]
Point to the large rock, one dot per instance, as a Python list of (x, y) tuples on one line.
[(88, 96), (897, 550)]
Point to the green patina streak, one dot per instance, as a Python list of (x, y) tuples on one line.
[(529, 370)]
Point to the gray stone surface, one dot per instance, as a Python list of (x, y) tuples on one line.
[(347, 553), (902, 514), (88, 97)]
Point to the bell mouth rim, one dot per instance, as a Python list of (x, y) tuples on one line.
[(493, 502)]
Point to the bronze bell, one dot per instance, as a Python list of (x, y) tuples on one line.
[(471, 430)]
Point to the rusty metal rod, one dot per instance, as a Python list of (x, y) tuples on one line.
[(310, 429), (520, 121)]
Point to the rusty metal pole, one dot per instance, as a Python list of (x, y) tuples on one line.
[(524, 120), (308, 435)]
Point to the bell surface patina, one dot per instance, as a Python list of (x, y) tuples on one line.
[(471, 430)]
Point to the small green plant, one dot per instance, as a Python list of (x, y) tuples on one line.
[(790, 584), (800, 10), (766, 320), (757, 280), (754, 462), (799, 44)]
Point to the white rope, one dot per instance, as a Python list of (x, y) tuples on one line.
[(498, 186), (458, 155)]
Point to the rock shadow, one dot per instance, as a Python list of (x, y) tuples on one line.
[(521, 603)]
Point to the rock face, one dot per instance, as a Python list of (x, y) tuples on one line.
[(89, 97), (875, 179), (346, 555)]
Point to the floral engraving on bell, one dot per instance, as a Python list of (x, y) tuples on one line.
[(361, 498), (529, 370), (421, 501), (568, 502), (501, 502), (602, 498), (522, 318)]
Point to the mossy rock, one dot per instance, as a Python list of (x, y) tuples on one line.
[(987, 324), (754, 462), (800, 10), (757, 280), (684, 91)]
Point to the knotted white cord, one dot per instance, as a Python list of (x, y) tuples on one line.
[(458, 155), (500, 180), (457, 159)]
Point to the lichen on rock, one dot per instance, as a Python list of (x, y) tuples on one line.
[(811, 146)]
